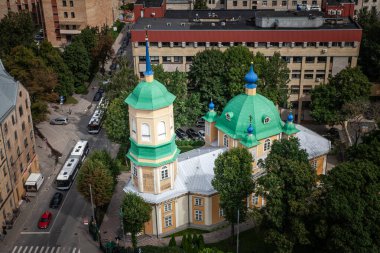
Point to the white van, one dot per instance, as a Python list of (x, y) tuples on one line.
[(33, 184)]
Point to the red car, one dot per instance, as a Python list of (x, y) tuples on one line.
[(45, 219)]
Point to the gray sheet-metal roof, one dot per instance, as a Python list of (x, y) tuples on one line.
[(196, 167), (8, 92)]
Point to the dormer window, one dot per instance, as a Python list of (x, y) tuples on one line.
[(229, 116), (266, 120)]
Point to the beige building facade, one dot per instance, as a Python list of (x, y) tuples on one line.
[(17, 145)]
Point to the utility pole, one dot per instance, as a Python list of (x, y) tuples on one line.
[(237, 241)]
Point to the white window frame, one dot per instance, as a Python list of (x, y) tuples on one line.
[(255, 199), (225, 140), (267, 145), (198, 202), (167, 207), (314, 164), (198, 215), (145, 132), (164, 173), (207, 129), (168, 221), (266, 120), (221, 212), (134, 170), (161, 130)]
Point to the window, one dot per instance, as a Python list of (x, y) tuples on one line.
[(178, 59), (164, 173), (134, 171), (310, 59), (13, 120), (154, 59), (18, 151), (64, 3), (189, 58), (65, 15), (1, 154), (313, 2), (297, 59), (133, 125), (26, 103), (8, 144), (225, 140), (267, 145), (234, 3), (142, 59), (294, 89), (274, 3), (71, 4), (165, 59), (198, 215), (20, 110), (294, 3), (266, 120), (308, 76), (322, 59), (283, 3), (161, 129), (296, 74), (168, 207), (26, 142), (221, 1), (265, 3), (221, 212), (286, 59), (168, 221), (28, 157), (23, 126), (145, 132), (298, 44), (255, 199), (72, 14), (314, 164), (198, 201), (307, 89), (6, 128), (245, 3)]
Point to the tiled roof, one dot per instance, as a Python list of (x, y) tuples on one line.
[(314, 144)]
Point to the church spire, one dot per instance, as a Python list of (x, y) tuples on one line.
[(148, 72), (251, 79)]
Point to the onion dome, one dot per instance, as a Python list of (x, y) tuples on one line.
[(290, 117), (289, 128), (211, 115), (251, 78), (148, 72), (250, 129), (249, 140), (211, 106)]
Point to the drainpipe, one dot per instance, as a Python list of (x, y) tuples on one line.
[(155, 208)]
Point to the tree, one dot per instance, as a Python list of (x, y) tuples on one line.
[(206, 75), (53, 58), (327, 100), (102, 51), (233, 181), (368, 150), (187, 106), (135, 212), (200, 5), (16, 29), (117, 120), (287, 187), (172, 242), (78, 61), (349, 209), (96, 172)]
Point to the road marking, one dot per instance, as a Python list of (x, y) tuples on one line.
[(31, 249), (19, 250), (26, 248), (35, 251), (47, 249), (14, 249), (34, 233), (42, 249)]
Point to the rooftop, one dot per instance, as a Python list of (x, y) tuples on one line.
[(8, 92), (337, 2), (150, 3), (237, 20)]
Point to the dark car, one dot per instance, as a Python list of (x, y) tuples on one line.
[(101, 90), (180, 133), (45, 219), (193, 134), (200, 123), (56, 200), (98, 95)]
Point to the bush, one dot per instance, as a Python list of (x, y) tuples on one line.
[(81, 89), (172, 242)]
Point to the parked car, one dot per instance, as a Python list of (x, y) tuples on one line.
[(193, 134), (45, 219), (181, 134), (201, 134), (56, 200), (59, 121), (101, 90), (113, 66), (98, 95), (200, 123)]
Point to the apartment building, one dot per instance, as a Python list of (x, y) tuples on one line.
[(32, 6), (314, 47), (66, 18), (17, 145), (242, 4)]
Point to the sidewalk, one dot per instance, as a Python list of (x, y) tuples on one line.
[(111, 228)]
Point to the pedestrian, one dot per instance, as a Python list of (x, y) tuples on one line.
[(4, 231), (69, 111)]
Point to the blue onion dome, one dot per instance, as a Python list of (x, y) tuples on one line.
[(290, 117), (251, 77), (250, 129), (211, 106)]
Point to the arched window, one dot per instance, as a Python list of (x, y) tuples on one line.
[(133, 125), (145, 132), (267, 145), (161, 130), (164, 172), (134, 170), (225, 140)]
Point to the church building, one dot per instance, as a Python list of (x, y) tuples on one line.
[(178, 186)]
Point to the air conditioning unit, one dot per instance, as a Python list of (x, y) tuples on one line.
[(317, 79), (149, 26), (324, 51), (339, 12)]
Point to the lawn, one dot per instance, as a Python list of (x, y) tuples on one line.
[(250, 241), (71, 100)]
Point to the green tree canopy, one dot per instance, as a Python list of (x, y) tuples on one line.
[(16, 29), (200, 5), (117, 120), (349, 209), (96, 173), (102, 51), (327, 100), (288, 187), (78, 61), (368, 150), (135, 212), (233, 181)]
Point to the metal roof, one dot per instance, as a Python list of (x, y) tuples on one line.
[(8, 92)]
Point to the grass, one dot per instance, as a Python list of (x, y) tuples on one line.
[(250, 241), (188, 231), (71, 100), (187, 145)]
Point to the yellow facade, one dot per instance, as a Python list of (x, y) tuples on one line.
[(166, 214)]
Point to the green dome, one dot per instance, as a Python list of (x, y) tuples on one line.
[(235, 117), (150, 96)]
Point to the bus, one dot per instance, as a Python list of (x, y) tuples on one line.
[(67, 174), (80, 150), (96, 121), (70, 169)]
